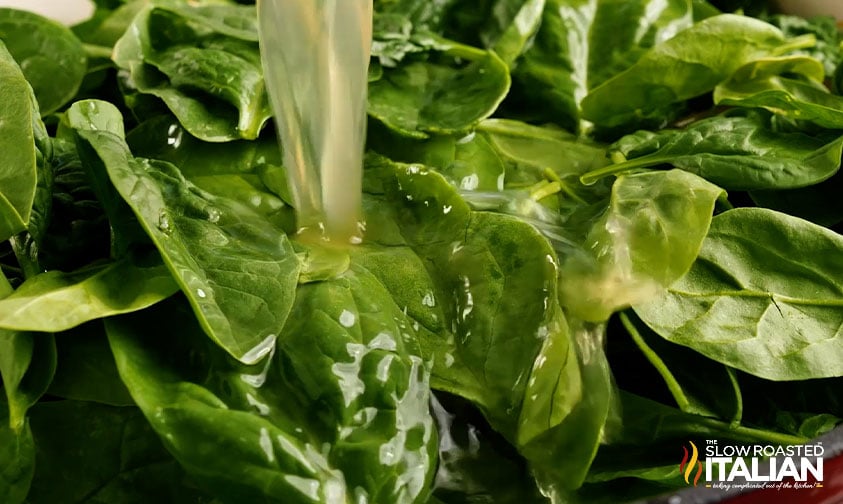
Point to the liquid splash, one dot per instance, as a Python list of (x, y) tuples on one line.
[(315, 58)]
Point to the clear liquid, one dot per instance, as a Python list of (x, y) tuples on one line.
[(315, 58)]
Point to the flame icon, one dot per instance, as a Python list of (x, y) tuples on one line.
[(686, 467)]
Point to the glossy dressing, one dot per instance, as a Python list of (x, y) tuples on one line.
[(315, 58)]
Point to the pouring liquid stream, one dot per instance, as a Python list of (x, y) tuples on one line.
[(315, 57)]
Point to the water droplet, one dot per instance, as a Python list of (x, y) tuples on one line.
[(262, 408), (174, 136), (164, 223), (266, 445), (213, 215), (387, 454), (429, 300), (382, 372), (470, 182), (309, 487), (383, 341), (201, 293), (347, 318), (348, 374), (540, 361), (260, 350), (468, 303), (466, 139)]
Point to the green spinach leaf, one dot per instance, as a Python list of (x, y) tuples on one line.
[(44, 49), (647, 239), (17, 459), (238, 270), (683, 67), (56, 301), (734, 152), (440, 96), (203, 62), (18, 175), (339, 409), (796, 99), (582, 44), (27, 364), (764, 296)]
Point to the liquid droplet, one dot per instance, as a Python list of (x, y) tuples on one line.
[(164, 223), (260, 350), (429, 300), (470, 182), (347, 318), (213, 215), (174, 136), (201, 293)]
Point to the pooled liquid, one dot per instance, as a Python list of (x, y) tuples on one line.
[(315, 58)]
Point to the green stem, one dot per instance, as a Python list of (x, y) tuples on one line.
[(796, 43), (733, 379), (657, 362), (614, 169), (22, 246), (97, 51), (751, 434)]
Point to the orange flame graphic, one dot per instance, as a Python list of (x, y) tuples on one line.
[(686, 467)]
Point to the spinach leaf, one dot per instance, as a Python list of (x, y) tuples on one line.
[(562, 455), (646, 422), (763, 297), (17, 459), (203, 62), (56, 301), (537, 149), (824, 28), (506, 26), (27, 364), (796, 99), (734, 152), (498, 286), (503, 342), (582, 44), (87, 452), (248, 171), (18, 175), (108, 23), (238, 270), (647, 239), (507, 166), (440, 96), (339, 409), (78, 233), (684, 67), (44, 49)]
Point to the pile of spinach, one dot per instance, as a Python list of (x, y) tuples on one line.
[(595, 230)]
